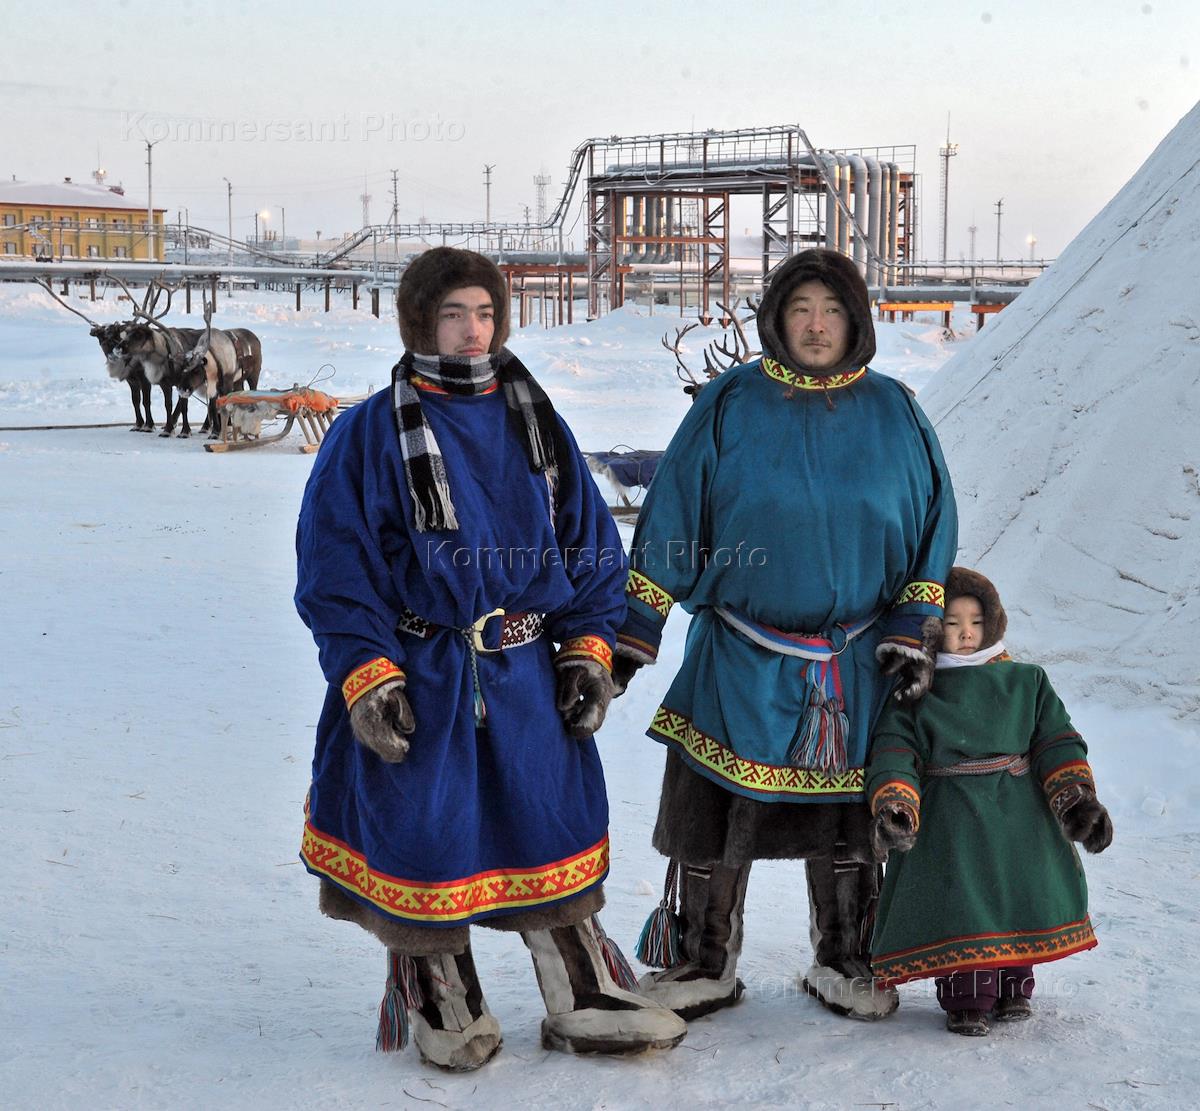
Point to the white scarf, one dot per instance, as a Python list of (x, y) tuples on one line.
[(950, 659)]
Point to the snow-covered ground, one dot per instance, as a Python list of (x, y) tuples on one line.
[(160, 945)]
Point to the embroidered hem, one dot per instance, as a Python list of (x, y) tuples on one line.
[(749, 777), (649, 593), (368, 677), (1067, 775), (780, 373), (586, 648), (998, 950), (896, 790), (454, 901)]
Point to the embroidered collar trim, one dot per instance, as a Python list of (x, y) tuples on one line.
[(780, 373)]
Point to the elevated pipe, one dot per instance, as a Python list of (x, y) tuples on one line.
[(874, 237), (833, 217), (893, 251), (843, 235), (858, 170)]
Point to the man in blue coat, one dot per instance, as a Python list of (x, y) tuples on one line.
[(803, 514), (450, 535)]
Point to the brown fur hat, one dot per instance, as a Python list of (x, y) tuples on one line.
[(427, 280), (841, 275), (962, 580)]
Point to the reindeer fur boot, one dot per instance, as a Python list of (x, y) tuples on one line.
[(587, 1011), (841, 900), (452, 1025), (711, 903)]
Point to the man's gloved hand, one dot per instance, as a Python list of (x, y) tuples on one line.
[(893, 828), (913, 666), (1087, 822), (381, 720), (624, 669), (584, 691)]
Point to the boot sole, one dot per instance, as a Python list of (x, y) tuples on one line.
[(460, 1068), (608, 1047), (847, 1012), (699, 1010)]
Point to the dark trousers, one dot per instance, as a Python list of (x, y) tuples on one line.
[(977, 989)]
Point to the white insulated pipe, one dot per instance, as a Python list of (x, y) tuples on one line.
[(843, 237), (858, 171), (893, 240), (833, 216), (873, 227)]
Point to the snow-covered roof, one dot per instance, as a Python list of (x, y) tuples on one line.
[(67, 194)]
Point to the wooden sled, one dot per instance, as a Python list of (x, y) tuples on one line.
[(241, 414)]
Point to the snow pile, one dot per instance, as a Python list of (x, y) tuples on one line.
[(1070, 429)]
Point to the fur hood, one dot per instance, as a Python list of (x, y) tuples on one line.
[(425, 283), (962, 580), (841, 275)]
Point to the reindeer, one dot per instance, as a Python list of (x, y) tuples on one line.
[(219, 362), (718, 357), (121, 367)]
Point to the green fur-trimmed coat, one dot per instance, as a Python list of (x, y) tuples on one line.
[(991, 881)]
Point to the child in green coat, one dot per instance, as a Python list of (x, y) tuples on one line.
[(978, 791)]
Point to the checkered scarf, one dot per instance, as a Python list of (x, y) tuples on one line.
[(464, 375)]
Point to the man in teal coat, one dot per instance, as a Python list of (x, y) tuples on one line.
[(803, 514)]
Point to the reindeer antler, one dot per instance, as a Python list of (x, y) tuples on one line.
[(46, 286), (153, 290), (682, 371)]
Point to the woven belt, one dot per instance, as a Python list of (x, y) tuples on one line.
[(1014, 765), (506, 630), (806, 646)]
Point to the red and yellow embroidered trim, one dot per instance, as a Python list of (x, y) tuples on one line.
[(896, 790), (649, 593), (586, 648), (640, 647), (750, 775), (454, 900), (984, 951), (368, 677), (1065, 775), (780, 373), (932, 594)]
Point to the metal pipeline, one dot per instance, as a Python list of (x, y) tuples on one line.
[(893, 251), (833, 217), (843, 235), (874, 238), (858, 169)]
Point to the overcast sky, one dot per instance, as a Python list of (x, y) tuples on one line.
[(1053, 103)]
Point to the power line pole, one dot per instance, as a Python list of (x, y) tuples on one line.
[(229, 202), (946, 153), (365, 197), (487, 187), (395, 218), (150, 202), (971, 231), (999, 213)]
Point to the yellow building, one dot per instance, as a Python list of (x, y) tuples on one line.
[(75, 219)]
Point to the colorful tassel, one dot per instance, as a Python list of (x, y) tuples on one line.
[(403, 992), (618, 966), (658, 945), (820, 742)]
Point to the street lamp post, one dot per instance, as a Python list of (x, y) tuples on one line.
[(229, 202)]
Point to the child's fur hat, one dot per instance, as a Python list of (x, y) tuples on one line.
[(427, 280), (962, 580)]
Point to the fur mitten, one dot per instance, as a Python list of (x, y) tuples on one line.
[(584, 691), (380, 720), (894, 827), (624, 669), (911, 665), (1087, 822)]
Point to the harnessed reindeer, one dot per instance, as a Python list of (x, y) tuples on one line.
[(121, 365), (219, 361)]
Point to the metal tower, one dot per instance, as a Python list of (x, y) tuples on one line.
[(946, 153)]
